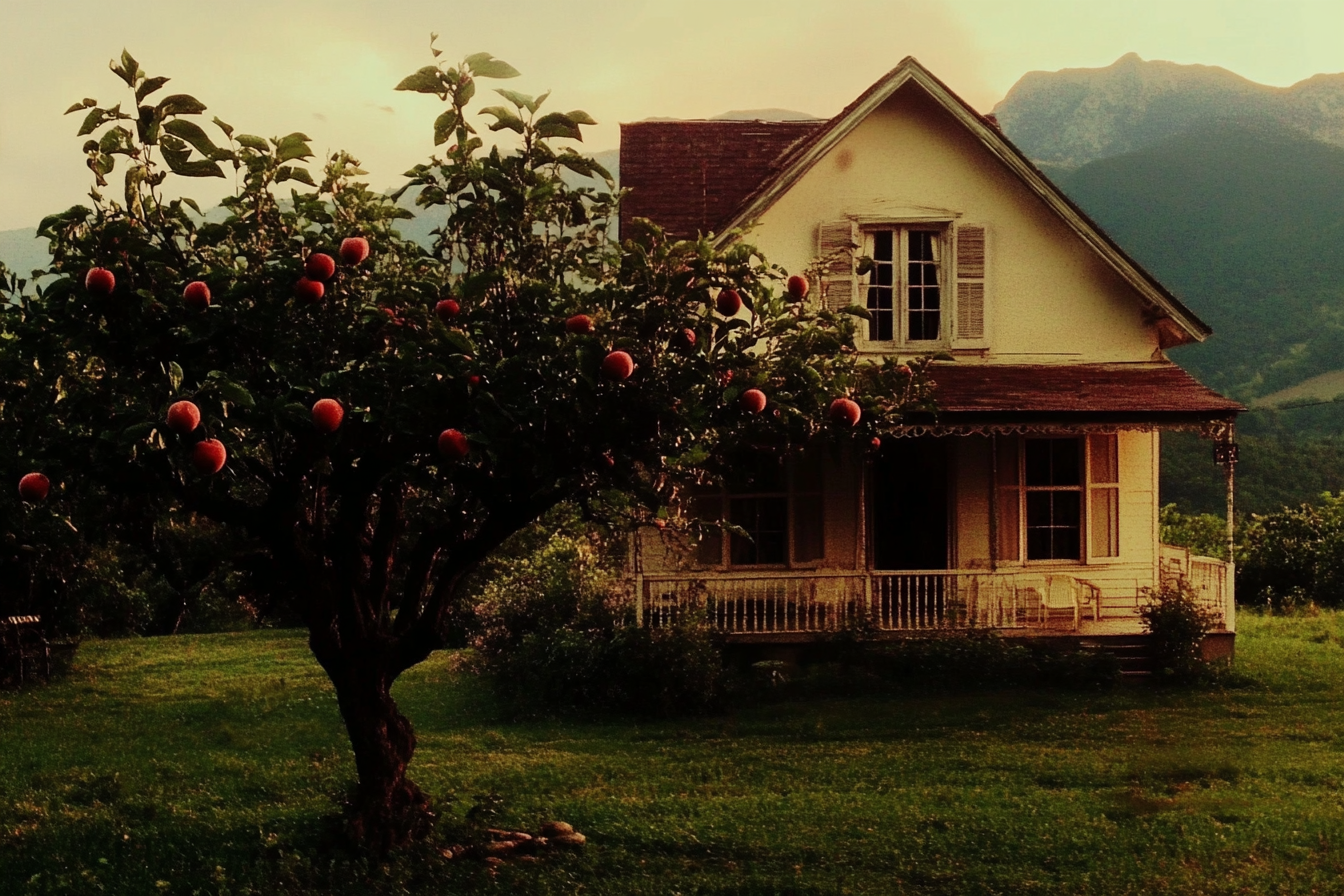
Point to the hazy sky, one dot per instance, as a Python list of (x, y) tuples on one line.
[(327, 68)]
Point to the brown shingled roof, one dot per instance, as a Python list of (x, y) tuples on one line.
[(1135, 392), (691, 177)]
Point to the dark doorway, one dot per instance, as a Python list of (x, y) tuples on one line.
[(909, 505)]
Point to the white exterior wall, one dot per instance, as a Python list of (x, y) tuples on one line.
[(1049, 296)]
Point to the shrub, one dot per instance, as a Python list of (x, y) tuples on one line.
[(553, 632), (1296, 551), (1203, 533), (1177, 624)]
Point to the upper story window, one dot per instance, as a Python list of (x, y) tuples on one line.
[(905, 286)]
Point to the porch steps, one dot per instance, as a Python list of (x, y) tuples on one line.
[(1134, 655)]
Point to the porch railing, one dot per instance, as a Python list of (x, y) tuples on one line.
[(781, 602), (1209, 579)]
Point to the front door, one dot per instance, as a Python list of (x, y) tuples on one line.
[(909, 504)]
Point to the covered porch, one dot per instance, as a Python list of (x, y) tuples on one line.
[(1028, 505)]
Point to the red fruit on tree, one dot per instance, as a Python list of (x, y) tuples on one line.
[(100, 281), (453, 444), (34, 487), (798, 287), (752, 401), (183, 417), (474, 380), (447, 309), (579, 324), (687, 338), (618, 365), (319, 266), (327, 415), (728, 302), (354, 249), (846, 411), (208, 457), (197, 295), (309, 291), (876, 443)]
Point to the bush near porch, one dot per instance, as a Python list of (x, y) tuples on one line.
[(200, 764)]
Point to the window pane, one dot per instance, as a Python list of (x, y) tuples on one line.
[(766, 521), (882, 245), (1038, 510), (1065, 544), (1053, 530), (1038, 461), (1105, 522), (932, 298), (1065, 459), (1104, 457)]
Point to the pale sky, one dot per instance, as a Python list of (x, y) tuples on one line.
[(327, 67)]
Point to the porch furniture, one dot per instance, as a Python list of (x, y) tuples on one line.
[(24, 649)]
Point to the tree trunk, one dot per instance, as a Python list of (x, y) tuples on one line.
[(389, 810)]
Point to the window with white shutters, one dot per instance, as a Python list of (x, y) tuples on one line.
[(836, 242), (970, 323)]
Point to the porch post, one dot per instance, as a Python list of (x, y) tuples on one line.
[(994, 502), (1225, 452)]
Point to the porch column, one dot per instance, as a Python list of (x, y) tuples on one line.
[(1225, 453)]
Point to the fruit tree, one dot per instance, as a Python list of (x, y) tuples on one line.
[(381, 415)]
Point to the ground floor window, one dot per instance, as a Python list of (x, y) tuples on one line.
[(1058, 497), (775, 511)]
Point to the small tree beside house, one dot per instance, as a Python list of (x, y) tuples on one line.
[(378, 416)]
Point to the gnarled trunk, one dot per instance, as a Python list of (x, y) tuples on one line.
[(389, 810)]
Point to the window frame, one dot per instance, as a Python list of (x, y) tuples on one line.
[(1016, 491), (943, 265), (794, 492)]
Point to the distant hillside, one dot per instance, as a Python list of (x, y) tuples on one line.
[(22, 251), (1246, 224), (1075, 116)]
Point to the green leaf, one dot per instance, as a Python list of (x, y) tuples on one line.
[(226, 128), (178, 161), (578, 116), (289, 172), (461, 342), (254, 142), (427, 80), (558, 124), (520, 100), (175, 375), (77, 107), (231, 391), (137, 432), (443, 126), (148, 86), (856, 311), (483, 65), (293, 146), (97, 117), (192, 133), (465, 91), (504, 118), (128, 71), (178, 104)]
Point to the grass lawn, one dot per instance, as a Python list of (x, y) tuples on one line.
[(208, 765)]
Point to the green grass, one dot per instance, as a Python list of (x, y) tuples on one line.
[(209, 765)]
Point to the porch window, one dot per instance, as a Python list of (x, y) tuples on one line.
[(904, 290), (1057, 496), (779, 507)]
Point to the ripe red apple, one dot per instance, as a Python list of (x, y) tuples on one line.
[(752, 401), (354, 249), (728, 302), (447, 309), (618, 365), (310, 291), (327, 415), (687, 338), (208, 457), (876, 443), (453, 444), (34, 487), (846, 411), (579, 324), (474, 380), (798, 287), (197, 295), (100, 281), (319, 266), (183, 417)]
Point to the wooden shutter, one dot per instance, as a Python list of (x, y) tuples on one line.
[(836, 242), (970, 283)]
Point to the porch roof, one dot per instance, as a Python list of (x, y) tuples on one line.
[(1152, 392)]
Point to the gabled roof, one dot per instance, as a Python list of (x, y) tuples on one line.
[(667, 166)]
